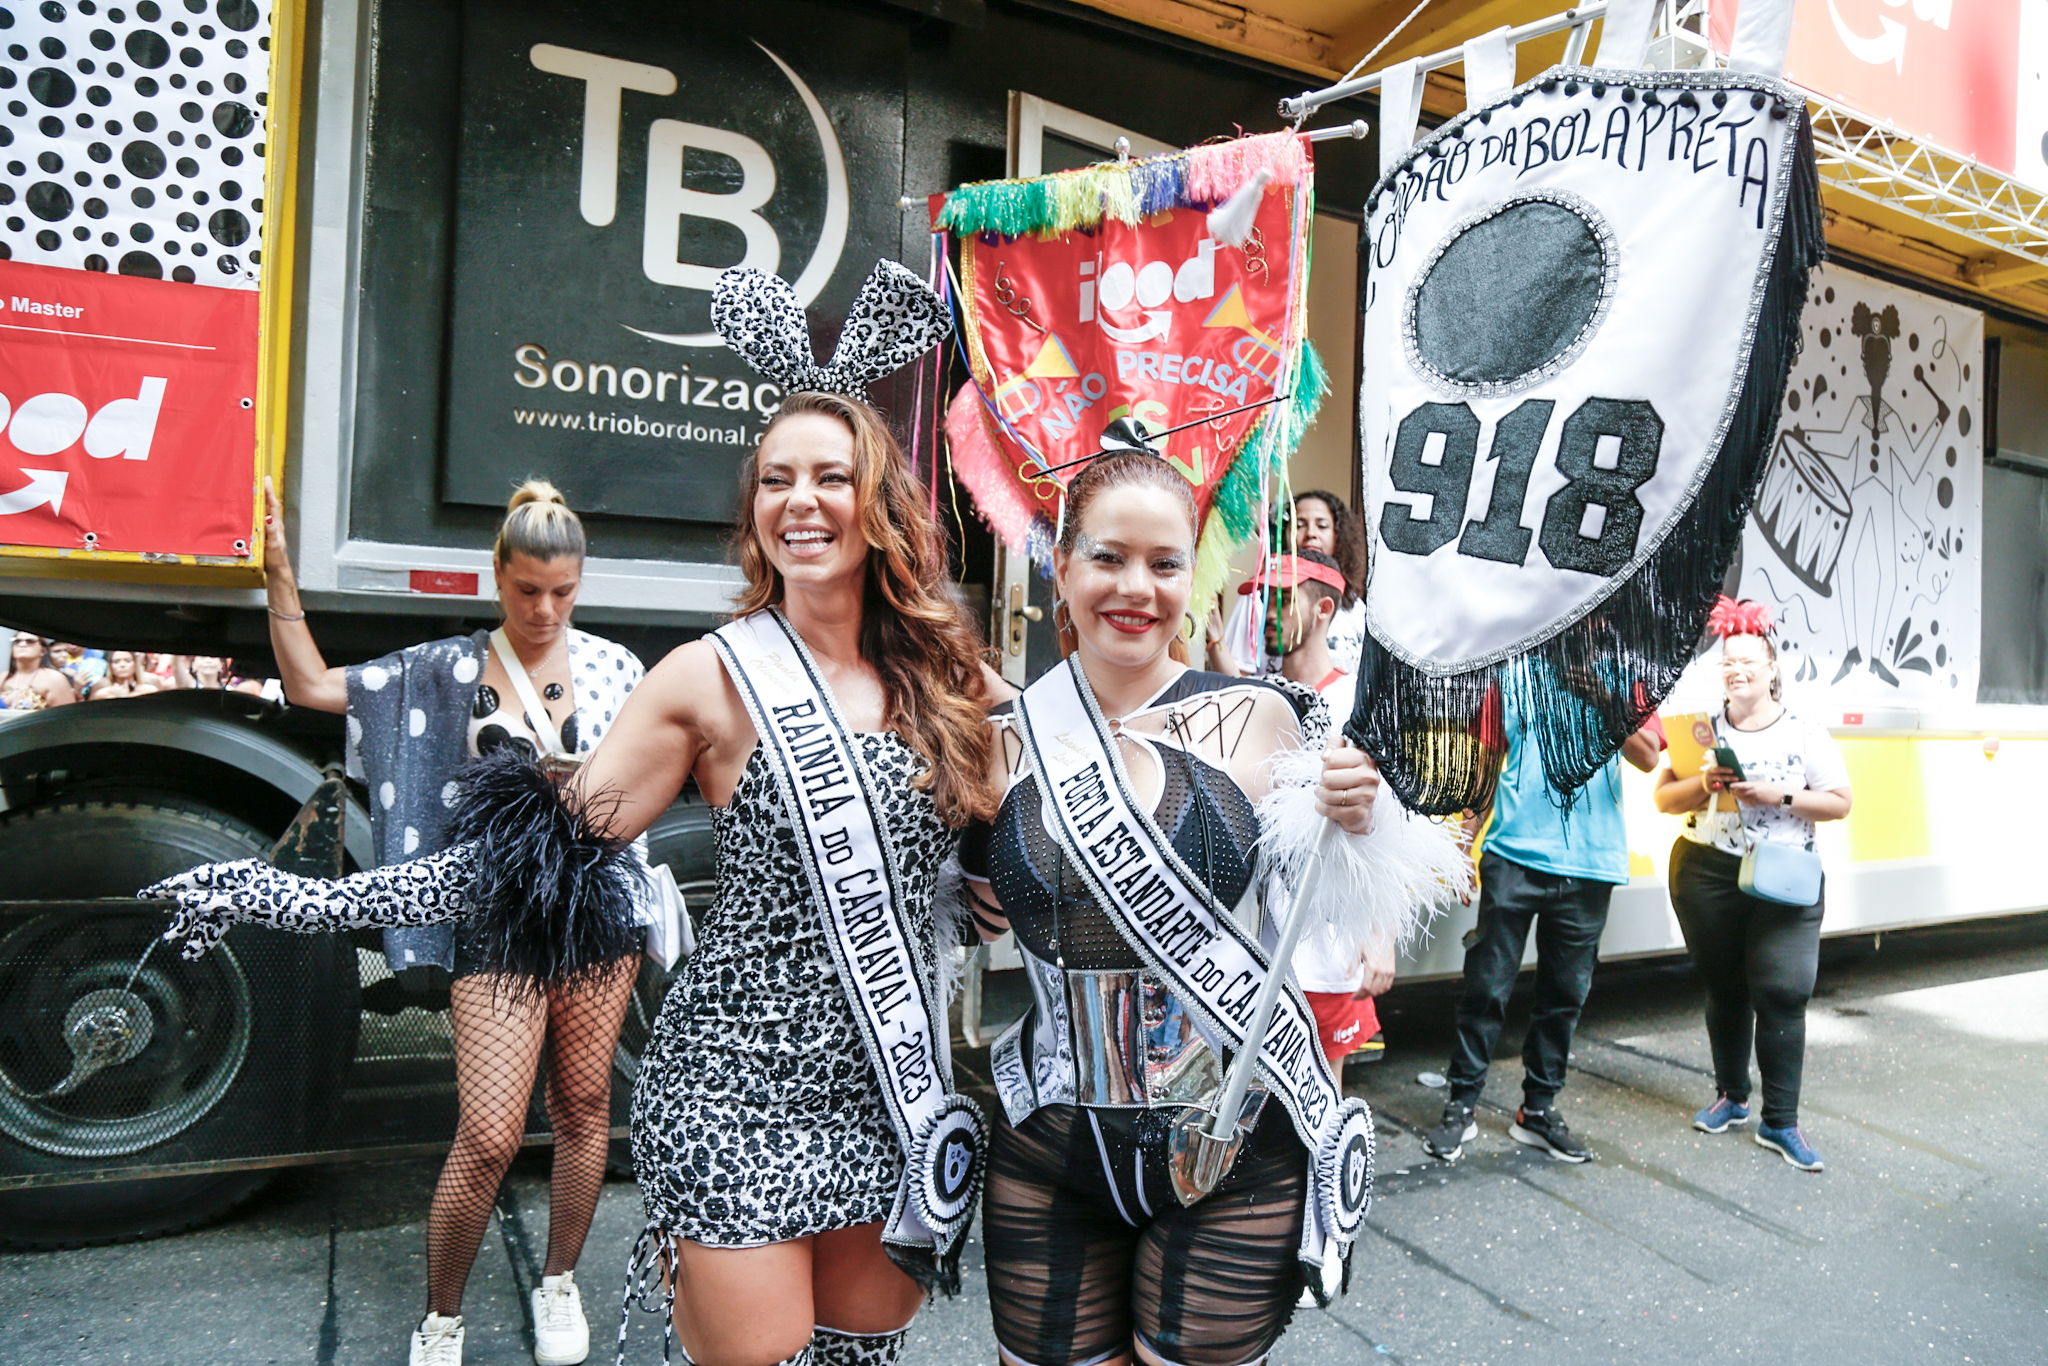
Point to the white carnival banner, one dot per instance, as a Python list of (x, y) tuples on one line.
[(1865, 539), (1580, 302)]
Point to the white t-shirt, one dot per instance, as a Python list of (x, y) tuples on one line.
[(1791, 753), (1324, 961), (1347, 640)]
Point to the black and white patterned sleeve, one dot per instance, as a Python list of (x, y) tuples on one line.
[(421, 892)]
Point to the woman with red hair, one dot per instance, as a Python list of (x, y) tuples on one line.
[(1756, 954)]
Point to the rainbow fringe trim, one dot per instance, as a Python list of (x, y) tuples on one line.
[(1127, 193)]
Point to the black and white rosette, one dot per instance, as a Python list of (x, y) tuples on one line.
[(1344, 1171), (1169, 916), (947, 1162), (851, 868), (1581, 304)]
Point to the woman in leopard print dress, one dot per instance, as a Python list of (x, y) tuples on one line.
[(760, 1138), (764, 1150)]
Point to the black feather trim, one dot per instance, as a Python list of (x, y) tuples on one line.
[(1437, 739), (554, 893)]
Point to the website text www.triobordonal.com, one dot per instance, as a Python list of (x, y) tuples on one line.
[(623, 424)]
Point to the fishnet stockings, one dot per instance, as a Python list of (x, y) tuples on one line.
[(498, 1037), (1087, 1246)]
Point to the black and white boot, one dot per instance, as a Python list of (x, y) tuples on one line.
[(831, 1347)]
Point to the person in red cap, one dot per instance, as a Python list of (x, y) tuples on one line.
[(1340, 979)]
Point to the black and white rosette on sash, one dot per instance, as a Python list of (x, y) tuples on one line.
[(1581, 305), (852, 871), (1168, 915)]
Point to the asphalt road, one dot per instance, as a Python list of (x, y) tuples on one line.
[(1922, 1242)]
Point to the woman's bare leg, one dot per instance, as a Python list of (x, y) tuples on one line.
[(856, 1288), (864, 1302), (498, 1035), (583, 1033), (760, 1305), (743, 1306)]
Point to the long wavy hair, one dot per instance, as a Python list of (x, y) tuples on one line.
[(913, 631)]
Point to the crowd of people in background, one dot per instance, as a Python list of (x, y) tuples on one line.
[(45, 673)]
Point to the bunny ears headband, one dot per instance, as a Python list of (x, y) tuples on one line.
[(896, 319)]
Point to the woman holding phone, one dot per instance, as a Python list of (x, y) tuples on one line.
[(1757, 956)]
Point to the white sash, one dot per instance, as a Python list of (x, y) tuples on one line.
[(1170, 917), (852, 871)]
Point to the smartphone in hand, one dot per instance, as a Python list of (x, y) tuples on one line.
[(1725, 757)]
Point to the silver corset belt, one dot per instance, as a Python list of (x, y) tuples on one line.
[(1135, 1043)]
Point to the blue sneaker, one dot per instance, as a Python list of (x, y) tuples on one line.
[(1789, 1144), (1723, 1115)]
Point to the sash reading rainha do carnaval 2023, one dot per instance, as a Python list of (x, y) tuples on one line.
[(851, 869), (1170, 917)]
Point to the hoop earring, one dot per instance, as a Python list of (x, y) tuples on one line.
[(1193, 626), (1060, 605)]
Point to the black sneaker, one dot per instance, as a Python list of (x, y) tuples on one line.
[(1451, 1133), (1546, 1129)]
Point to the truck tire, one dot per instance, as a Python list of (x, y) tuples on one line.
[(247, 1048)]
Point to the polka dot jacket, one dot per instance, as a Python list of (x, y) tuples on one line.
[(411, 721)]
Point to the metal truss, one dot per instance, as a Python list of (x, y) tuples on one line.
[(1909, 176)]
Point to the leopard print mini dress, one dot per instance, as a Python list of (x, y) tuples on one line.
[(756, 1116)]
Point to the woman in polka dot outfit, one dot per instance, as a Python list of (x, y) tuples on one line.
[(415, 718)]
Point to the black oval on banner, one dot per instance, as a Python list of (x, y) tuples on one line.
[(1509, 294)]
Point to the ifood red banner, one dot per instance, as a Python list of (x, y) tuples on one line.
[(129, 411), (1159, 321)]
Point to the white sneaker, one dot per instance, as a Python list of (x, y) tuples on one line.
[(561, 1336), (437, 1341)]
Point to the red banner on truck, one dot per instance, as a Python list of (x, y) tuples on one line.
[(129, 412)]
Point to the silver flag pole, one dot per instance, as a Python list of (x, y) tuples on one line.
[(1205, 1143)]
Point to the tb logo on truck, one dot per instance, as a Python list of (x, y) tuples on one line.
[(668, 201)]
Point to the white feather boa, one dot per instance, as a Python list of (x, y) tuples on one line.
[(1393, 880), (952, 924)]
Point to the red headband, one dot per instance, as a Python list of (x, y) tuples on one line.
[(1285, 571), (1732, 618)]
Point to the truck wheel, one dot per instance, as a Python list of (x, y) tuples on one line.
[(237, 1056), (682, 838)]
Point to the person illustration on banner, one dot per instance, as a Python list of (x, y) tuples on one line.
[(808, 1172), (1851, 511)]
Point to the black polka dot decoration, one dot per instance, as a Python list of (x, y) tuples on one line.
[(49, 201), (52, 87), (130, 131)]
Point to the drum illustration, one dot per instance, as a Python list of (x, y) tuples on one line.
[(1803, 512)]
